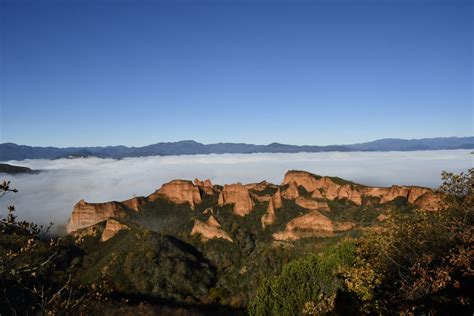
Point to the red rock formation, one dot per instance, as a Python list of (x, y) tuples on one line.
[(179, 191), (260, 186), (321, 189), (311, 204), (375, 192), (394, 192), (291, 191), (260, 198), (430, 201), (307, 203), (276, 199), (269, 217), (317, 194), (87, 214), (302, 178), (329, 189), (325, 187), (205, 186), (416, 192), (134, 203), (313, 224), (112, 227), (209, 230), (238, 195)]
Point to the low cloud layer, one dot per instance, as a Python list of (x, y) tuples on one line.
[(51, 195)]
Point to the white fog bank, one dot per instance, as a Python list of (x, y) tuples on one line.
[(51, 194)]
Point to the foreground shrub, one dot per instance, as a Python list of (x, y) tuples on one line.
[(306, 285), (421, 263)]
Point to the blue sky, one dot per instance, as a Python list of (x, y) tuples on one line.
[(300, 72)]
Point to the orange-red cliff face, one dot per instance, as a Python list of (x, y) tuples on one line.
[(325, 187), (239, 196), (179, 191), (112, 227), (87, 214), (243, 199), (205, 186), (313, 224), (210, 229)]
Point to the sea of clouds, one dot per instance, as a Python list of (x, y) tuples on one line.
[(51, 194)]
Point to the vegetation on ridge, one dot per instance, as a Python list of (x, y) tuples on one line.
[(413, 261)]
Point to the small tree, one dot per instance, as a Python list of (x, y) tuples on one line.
[(422, 262), (35, 273)]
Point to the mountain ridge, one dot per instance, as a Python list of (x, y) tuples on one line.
[(12, 151)]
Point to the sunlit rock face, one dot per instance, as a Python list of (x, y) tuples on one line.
[(238, 195), (112, 227), (134, 203), (302, 178), (87, 214), (326, 188), (313, 224), (210, 229), (269, 217), (276, 199), (430, 201), (205, 186), (314, 199), (291, 192), (179, 191)]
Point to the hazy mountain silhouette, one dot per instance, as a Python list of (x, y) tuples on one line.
[(11, 151)]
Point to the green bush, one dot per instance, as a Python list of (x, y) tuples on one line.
[(312, 281)]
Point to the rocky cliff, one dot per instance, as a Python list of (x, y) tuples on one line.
[(87, 214), (112, 227), (313, 224), (310, 195), (335, 188), (209, 230), (179, 191), (239, 196)]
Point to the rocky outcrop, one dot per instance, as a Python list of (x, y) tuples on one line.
[(430, 201), (260, 186), (302, 178), (311, 204), (307, 203), (276, 199), (327, 188), (238, 195), (319, 190), (260, 198), (112, 227), (269, 217), (375, 192), (350, 193), (423, 198), (205, 186), (87, 214), (209, 230), (316, 194), (291, 191), (313, 224), (134, 203), (395, 192), (179, 191), (416, 192)]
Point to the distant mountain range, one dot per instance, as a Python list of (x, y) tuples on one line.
[(11, 151)]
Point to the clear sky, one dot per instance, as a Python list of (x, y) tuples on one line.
[(300, 72)]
